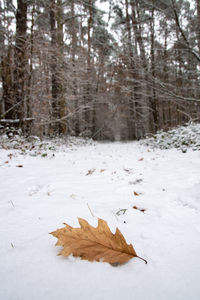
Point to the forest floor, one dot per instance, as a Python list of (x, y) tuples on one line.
[(38, 192)]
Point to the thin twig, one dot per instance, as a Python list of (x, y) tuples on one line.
[(90, 210), (12, 203)]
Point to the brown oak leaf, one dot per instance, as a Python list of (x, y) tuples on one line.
[(94, 244)]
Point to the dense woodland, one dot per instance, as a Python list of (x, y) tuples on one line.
[(115, 69)]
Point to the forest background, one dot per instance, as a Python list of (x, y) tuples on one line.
[(116, 70)]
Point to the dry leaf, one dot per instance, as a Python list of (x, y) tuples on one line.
[(140, 209), (94, 244), (128, 170), (90, 172), (139, 180), (141, 159), (102, 170), (137, 194)]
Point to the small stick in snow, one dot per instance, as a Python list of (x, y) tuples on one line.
[(12, 203), (90, 210)]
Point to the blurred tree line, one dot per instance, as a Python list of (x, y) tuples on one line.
[(73, 68)]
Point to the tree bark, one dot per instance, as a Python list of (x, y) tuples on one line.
[(21, 62), (54, 86), (198, 23), (136, 110), (153, 98), (61, 79), (8, 101), (58, 125), (88, 85), (74, 83)]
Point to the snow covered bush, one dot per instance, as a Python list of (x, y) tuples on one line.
[(182, 137), (34, 146)]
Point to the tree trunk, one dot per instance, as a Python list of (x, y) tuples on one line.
[(61, 79), (8, 101), (135, 99), (153, 98), (21, 62), (198, 23), (88, 85), (74, 83), (142, 75), (58, 125), (132, 104), (29, 106), (54, 85)]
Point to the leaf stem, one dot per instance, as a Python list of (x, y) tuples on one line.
[(142, 259)]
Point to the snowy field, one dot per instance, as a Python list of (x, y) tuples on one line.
[(101, 180)]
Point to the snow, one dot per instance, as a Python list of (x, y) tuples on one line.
[(54, 188)]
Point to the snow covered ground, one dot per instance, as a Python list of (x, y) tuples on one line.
[(38, 193)]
